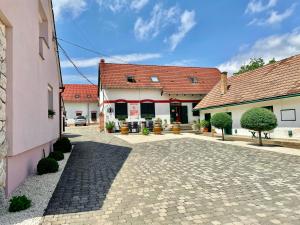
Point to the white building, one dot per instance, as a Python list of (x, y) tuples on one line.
[(274, 86), (81, 100), (139, 92)]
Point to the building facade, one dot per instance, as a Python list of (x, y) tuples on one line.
[(30, 82), (274, 86), (141, 92), (81, 100)]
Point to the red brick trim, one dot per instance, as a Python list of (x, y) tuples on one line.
[(150, 100)]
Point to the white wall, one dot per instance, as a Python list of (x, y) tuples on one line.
[(84, 107), (162, 110), (283, 126)]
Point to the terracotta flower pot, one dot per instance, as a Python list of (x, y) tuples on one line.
[(176, 128), (124, 129), (157, 128), (205, 129)]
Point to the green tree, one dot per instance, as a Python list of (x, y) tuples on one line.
[(253, 64), (221, 121), (272, 61), (259, 119)]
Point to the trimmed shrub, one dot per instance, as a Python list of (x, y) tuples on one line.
[(57, 155), (18, 203), (63, 145), (204, 123), (221, 121), (146, 131), (47, 165), (259, 119)]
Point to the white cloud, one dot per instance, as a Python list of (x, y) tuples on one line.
[(147, 29), (274, 17), (74, 7), (183, 62), (275, 46), (118, 5), (257, 6), (187, 23), (93, 62)]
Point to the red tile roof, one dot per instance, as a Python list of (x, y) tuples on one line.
[(80, 93), (172, 79), (279, 79)]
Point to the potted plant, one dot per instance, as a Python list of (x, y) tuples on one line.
[(110, 125), (51, 113), (176, 128), (157, 126), (195, 126), (205, 125), (146, 131)]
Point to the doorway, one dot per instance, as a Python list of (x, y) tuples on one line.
[(179, 113), (207, 117), (228, 130)]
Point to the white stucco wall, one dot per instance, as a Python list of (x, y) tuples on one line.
[(162, 110), (86, 108), (281, 104)]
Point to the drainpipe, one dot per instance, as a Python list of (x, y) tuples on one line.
[(60, 116)]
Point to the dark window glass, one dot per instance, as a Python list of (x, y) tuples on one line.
[(195, 113), (270, 107), (147, 110), (131, 79), (121, 111), (93, 116)]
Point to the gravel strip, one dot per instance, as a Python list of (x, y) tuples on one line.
[(39, 189)]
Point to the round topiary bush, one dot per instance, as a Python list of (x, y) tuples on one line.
[(259, 119), (47, 165), (19, 203), (57, 155), (221, 121), (63, 145)]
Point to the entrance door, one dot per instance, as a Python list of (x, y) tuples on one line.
[(228, 130), (94, 116), (178, 113), (207, 117)]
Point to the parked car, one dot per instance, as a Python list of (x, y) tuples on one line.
[(80, 120)]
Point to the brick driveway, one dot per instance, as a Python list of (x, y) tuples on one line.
[(180, 181)]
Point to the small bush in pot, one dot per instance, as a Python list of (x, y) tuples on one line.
[(47, 165), (146, 131), (18, 203), (205, 125), (57, 155), (221, 121), (63, 145), (110, 125)]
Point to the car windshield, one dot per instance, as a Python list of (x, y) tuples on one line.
[(80, 117)]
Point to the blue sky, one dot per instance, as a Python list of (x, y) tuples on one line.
[(206, 33)]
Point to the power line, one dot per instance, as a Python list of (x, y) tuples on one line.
[(76, 68), (91, 50)]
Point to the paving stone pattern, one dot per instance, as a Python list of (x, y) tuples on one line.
[(182, 181)]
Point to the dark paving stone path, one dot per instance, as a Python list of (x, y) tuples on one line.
[(87, 177)]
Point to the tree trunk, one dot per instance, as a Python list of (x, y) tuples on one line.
[(259, 137), (223, 135)]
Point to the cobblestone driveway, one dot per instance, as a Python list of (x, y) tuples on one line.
[(183, 181)]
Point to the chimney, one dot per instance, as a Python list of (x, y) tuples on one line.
[(223, 83)]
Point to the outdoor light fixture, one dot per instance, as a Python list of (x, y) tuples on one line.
[(290, 132)]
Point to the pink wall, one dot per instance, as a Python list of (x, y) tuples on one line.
[(22, 165), (28, 76)]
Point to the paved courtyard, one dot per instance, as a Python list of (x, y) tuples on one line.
[(176, 181)]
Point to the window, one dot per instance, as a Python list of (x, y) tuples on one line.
[(50, 97), (131, 79), (288, 114), (197, 112), (270, 107), (194, 80), (88, 96), (93, 116), (78, 113), (43, 30), (121, 111), (77, 96), (154, 79), (147, 110)]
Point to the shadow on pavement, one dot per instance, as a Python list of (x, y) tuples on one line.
[(87, 177)]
